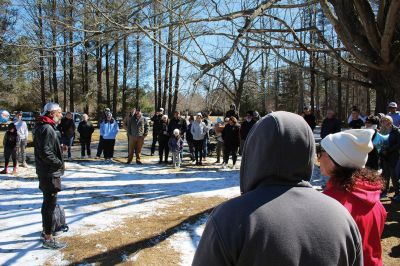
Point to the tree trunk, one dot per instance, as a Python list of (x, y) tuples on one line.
[(71, 58), (54, 44), (65, 68), (99, 70), (86, 66), (41, 53), (108, 90), (124, 74), (137, 69), (339, 87), (170, 86), (387, 87), (166, 75), (155, 66), (115, 87), (159, 77), (49, 68)]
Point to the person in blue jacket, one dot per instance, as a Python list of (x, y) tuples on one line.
[(108, 130)]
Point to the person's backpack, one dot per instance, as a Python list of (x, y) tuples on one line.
[(59, 224)]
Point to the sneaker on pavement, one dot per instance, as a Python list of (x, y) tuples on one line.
[(4, 171), (53, 244)]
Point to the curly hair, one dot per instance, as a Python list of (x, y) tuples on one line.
[(346, 178)]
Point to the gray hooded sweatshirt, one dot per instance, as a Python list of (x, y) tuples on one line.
[(279, 219)]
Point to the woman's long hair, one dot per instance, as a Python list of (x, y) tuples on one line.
[(346, 178)]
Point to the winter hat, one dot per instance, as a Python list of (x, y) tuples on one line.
[(392, 105), (219, 120), (199, 114), (176, 132), (349, 148), (164, 117), (50, 107)]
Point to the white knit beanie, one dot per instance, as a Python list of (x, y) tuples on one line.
[(349, 148)]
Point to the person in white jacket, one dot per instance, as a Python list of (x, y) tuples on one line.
[(23, 134), (198, 131)]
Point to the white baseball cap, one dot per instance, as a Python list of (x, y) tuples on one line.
[(50, 107), (393, 105)]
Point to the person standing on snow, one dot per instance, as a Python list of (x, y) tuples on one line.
[(245, 127), (157, 123), (67, 129), (163, 138), (23, 134), (109, 130), (138, 129), (342, 158), (198, 131), (175, 145), (10, 141), (231, 138), (85, 129), (219, 127), (189, 138), (279, 219), (49, 168)]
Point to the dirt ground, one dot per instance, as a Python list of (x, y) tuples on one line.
[(139, 241)]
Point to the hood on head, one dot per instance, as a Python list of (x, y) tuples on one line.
[(280, 149)]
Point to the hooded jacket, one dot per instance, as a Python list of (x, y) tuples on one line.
[(364, 204), (279, 219), (48, 156)]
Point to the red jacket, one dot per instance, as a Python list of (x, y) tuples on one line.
[(363, 203)]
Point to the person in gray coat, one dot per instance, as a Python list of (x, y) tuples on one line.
[(279, 219)]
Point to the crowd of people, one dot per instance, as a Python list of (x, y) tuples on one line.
[(257, 226)]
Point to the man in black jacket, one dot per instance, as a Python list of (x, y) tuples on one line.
[(279, 219), (157, 128), (49, 168), (330, 125), (232, 112), (177, 122), (245, 127)]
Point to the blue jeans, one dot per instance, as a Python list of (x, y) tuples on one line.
[(68, 141)]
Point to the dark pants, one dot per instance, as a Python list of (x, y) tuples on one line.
[(108, 146), (205, 147), (10, 152), (198, 149), (48, 206), (85, 145), (191, 149), (100, 147), (163, 147), (153, 144), (230, 150)]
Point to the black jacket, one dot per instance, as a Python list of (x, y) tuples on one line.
[(245, 128), (10, 140), (230, 135), (310, 119), (48, 157), (330, 126), (85, 129), (163, 134), (67, 127), (179, 123), (189, 135), (356, 124), (279, 219), (233, 113), (392, 151), (157, 124)]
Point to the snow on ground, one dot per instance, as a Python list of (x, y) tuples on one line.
[(97, 196)]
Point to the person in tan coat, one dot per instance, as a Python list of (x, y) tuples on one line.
[(137, 131)]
